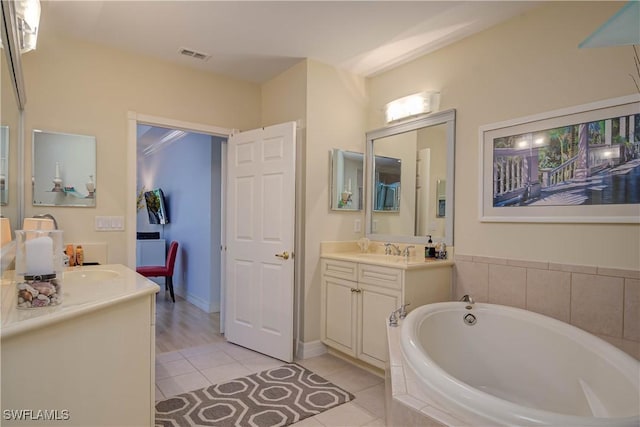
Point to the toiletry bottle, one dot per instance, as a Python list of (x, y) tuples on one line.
[(427, 247), (432, 248), (71, 254), (79, 255)]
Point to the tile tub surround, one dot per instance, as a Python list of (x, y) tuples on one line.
[(603, 301), (405, 403)]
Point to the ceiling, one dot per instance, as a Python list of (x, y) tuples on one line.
[(257, 40)]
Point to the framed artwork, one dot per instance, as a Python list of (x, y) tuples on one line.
[(578, 164)]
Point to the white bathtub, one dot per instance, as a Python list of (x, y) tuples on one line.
[(516, 367)]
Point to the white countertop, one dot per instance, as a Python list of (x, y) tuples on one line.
[(395, 261), (84, 289)]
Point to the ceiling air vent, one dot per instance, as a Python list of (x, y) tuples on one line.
[(194, 54)]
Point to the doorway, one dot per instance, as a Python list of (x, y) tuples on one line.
[(180, 186)]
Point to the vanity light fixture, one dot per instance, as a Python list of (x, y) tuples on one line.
[(28, 22), (411, 106)]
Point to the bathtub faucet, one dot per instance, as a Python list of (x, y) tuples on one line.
[(468, 299), (400, 313)]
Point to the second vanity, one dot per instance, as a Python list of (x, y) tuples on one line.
[(87, 361), (360, 290)]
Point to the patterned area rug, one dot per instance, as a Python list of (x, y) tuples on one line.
[(275, 397)]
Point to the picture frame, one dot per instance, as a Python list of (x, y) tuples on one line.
[(577, 165)]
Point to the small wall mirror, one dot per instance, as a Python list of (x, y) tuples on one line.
[(411, 167), (346, 180), (4, 165), (64, 169)]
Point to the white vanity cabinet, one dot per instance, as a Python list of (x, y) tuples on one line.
[(358, 297), (88, 361)]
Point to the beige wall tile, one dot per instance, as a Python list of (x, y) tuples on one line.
[(586, 269), (490, 260), (549, 293), (507, 285), (528, 264), (632, 309), (632, 348), (471, 278), (460, 257), (617, 272), (597, 303)]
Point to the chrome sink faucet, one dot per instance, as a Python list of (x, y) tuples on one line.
[(48, 216), (406, 252), (391, 249)]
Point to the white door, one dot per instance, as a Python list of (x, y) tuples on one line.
[(260, 238)]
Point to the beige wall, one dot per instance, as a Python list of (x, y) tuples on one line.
[(336, 105), (528, 65), (85, 88)]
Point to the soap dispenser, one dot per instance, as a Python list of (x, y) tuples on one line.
[(431, 249)]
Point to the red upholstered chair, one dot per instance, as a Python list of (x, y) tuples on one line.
[(165, 271)]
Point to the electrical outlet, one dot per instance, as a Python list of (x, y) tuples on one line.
[(357, 225)]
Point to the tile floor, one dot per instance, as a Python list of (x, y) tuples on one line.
[(196, 367)]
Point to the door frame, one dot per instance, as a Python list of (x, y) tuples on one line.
[(133, 120)]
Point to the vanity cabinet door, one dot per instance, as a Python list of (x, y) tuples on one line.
[(375, 304), (338, 314)]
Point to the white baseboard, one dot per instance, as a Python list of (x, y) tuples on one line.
[(306, 350), (198, 302)]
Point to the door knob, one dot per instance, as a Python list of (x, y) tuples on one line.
[(283, 255)]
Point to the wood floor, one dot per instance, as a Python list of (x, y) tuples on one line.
[(181, 325)]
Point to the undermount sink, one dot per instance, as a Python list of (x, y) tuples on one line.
[(86, 276), (391, 259)]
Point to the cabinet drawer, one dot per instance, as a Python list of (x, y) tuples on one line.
[(380, 276), (340, 269)]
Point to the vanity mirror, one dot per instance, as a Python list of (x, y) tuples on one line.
[(64, 169), (418, 200), (346, 180), (12, 95)]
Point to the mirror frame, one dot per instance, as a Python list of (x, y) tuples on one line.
[(447, 117)]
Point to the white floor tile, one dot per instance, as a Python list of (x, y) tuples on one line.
[(182, 384), (201, 349), (347, 415), (169, 356), (159, 395), (353, 379), (378, 422), (210, 360), (372, 399), (223, 373), (261, 363), (324, 364), (239, 353), (173, 368), (309, 422)]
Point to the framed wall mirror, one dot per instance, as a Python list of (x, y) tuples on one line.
[(13, 98), (423, 151), (347, 180), (64, 169)]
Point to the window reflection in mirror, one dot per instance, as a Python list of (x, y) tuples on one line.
[(64, 169), (346, 180), (418, 202), (388, 171)]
